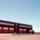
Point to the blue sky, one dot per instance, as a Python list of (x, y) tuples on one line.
[(23, 11)]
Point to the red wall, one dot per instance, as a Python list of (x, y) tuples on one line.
[(12, 29)]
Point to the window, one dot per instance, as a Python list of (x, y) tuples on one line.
[(24, 29), (30, 30), (11, 28), (20, 29), (5, 28)]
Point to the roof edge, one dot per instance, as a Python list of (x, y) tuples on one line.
[(13, 22)]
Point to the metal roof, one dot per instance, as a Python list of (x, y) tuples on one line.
[(11, 23)]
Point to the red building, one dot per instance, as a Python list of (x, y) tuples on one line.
[(13, 27)]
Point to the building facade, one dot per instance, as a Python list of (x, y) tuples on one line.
[(13, 27)]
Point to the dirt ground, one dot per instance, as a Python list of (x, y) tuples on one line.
[(19, 37)]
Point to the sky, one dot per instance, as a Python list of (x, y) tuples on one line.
[(22, 11)]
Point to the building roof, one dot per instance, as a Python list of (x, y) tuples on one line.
[(11, 23)]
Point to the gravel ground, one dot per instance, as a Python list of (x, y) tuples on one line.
[(19, 37)]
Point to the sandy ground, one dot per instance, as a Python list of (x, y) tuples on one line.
[(19, 37)]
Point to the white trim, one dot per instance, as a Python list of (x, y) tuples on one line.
[(24, 26), (6, 24)]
